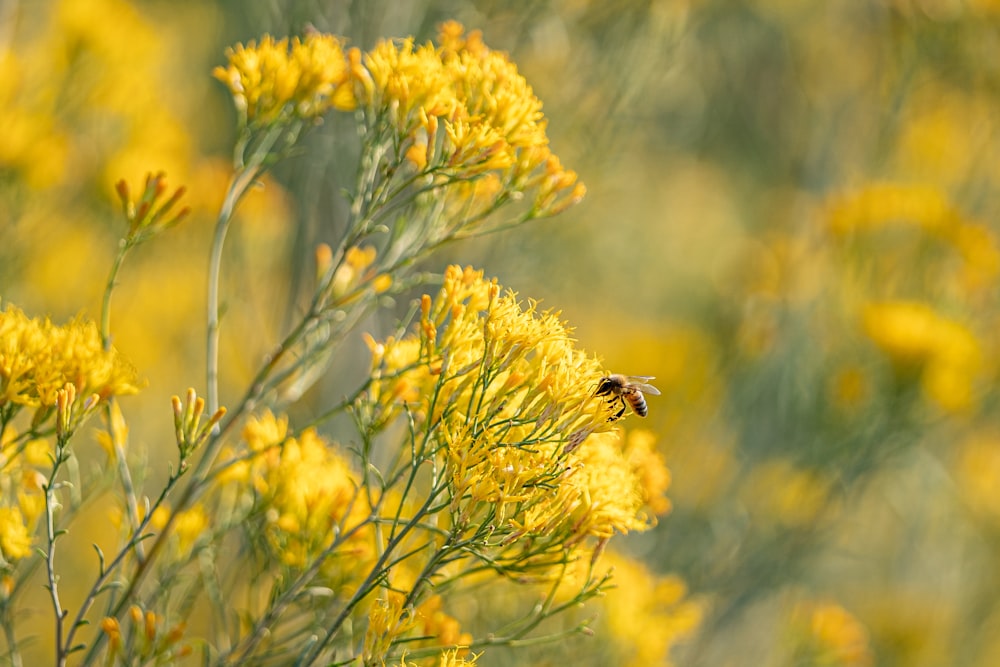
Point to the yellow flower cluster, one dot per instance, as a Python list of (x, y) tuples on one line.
[(945, 354), (926, 208), (509, 403), (646, 614), (465, 111), (828, 634), (38, 358), (22, 499), (307, 495), (305, 77), (389, 621)]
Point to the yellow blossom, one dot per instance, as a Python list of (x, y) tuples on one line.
[(308, 493), (881, 204), (945, 353), (189, 526), (353, 270), (434, 622), (15, 541), (305, 77), (781, 492), (830, 635), (649, 467), (386, 622), (646, 614), (465, 111), (39, 358), (510, 402), (978, 473)]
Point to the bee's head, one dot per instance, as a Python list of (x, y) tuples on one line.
[(605, 386)]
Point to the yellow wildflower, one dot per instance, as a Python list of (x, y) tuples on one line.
[(779, 491), (830, 635), (435, 623), (387, 621), (38, 358), (978, 472), (15, 540), (646, 614), (308, 494), (464, 111), (649, 467), (945, 353), (509, 402), (353, 270), (881, 204), (189, 526), (406, 82), (305, 77)]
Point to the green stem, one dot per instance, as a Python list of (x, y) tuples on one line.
[(51, 534), (8, 630), (125, 245), (241, 180)]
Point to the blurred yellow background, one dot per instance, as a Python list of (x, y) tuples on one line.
[(791, 222)]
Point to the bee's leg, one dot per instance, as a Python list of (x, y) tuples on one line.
[(618, 415)]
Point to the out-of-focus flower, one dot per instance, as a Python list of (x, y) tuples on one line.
[(646, 614), (780, 492), (827, 634), (434, 622), (945, 354), (22, 497), (648, 465), (39, 358), (304, 77), (881, 204), (926, 208), (978, 472), (15, 540), (509, 403), (353, 272)]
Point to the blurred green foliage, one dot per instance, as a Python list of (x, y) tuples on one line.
[(791, 223)]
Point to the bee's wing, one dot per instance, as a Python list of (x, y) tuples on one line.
[(646, 388)]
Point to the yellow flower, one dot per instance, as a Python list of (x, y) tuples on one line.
[(830, 635), (306, 77), (465, 111), (780, 492), (308, 493), (881, 204), (649, 467), (945, 353), (15, 540), (435, 623), (978, 472), (38, 358), (189, 526), (407, 83), (386, 622), (509, 403), (646, 614)]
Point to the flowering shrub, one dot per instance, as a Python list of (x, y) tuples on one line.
[(482, 455)]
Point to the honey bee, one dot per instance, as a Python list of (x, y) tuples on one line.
[(627, 389)]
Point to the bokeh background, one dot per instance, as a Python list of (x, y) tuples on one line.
[(791, 222)]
